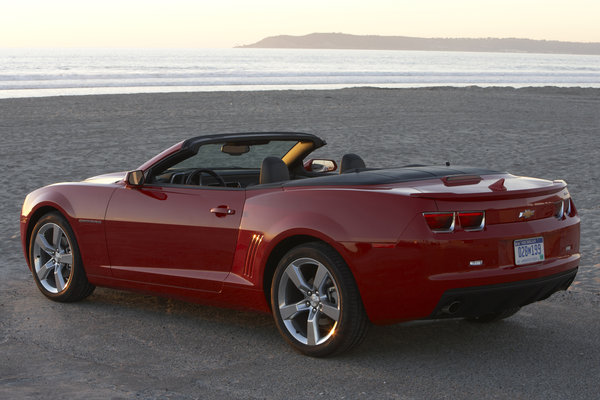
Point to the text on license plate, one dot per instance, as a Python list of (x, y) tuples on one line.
[(529, 251)]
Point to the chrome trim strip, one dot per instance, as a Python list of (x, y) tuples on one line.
[(568, 210), (89, 221)]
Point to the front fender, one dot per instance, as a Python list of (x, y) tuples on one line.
[(34, 207), (47, 196), (84, 206)]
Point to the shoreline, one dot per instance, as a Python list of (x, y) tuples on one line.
[(109, 91), (93, 71)]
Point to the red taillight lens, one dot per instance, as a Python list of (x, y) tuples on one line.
[(440, 221), (448, 221), (471, 220)]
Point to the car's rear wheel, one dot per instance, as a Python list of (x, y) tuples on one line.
[(55, 260), (496, 316), (315, 301)]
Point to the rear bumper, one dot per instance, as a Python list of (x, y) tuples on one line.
[(481, 300), (406, 281)]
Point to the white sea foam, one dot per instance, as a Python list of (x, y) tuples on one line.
[(49, 72)]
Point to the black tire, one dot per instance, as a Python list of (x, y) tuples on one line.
[(56, 261), (318, 311), (496, 316)]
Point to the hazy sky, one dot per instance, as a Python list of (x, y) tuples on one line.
[(226, 23)]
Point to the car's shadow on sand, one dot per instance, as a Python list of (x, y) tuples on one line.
[(450, 339), (439, 337)]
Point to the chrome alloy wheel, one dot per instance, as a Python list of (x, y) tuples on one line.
[(308, 299), (52, 258)]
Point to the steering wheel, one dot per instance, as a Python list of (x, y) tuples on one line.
[(198, 172)]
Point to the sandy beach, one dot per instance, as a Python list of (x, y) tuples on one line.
[(550, 133), (124, 345)]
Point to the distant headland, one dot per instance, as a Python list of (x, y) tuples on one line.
[(372, 42)]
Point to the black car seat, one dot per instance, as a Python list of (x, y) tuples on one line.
[(273, 170), (351, 162)]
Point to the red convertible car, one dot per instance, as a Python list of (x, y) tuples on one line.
[(248, 220)]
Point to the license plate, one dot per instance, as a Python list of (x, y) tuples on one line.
[(528, 251)]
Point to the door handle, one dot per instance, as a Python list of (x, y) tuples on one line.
[(222, 211)]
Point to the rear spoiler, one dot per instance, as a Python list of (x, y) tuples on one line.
[(555, 187)]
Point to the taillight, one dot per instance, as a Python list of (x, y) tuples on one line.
[(447, 221), (559, 209), (471, 220), (568, 207), (572, 209), (564, 208), (440, 221)]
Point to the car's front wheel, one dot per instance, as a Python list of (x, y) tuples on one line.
[(315, 301), (55, 260)]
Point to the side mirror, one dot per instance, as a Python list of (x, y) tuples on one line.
[(135, 178), (315, 165)]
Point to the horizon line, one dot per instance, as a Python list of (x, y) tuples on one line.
[(133, 46)]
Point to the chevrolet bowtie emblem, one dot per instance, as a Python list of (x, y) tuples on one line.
[(526, 214)]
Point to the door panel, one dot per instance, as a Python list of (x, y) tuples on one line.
[(169, 236)]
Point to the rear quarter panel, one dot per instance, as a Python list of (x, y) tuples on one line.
[(351, 220), (340, 214)]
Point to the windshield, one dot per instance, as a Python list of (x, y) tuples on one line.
[(213, 156), (230, 164)]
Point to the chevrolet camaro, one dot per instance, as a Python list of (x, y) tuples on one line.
[(252, 221)]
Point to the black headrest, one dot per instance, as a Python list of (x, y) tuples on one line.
[(351, 162), (273, 169)]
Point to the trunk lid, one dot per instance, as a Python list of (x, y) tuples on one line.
[(504, 198)]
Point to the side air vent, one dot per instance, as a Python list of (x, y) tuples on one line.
[(252, 248)]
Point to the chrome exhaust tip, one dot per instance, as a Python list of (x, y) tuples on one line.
[(451, 308)]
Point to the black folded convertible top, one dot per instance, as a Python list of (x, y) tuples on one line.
[(391, 175)]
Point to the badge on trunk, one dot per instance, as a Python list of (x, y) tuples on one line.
[(526, 214)]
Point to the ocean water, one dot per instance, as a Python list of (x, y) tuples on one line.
[(51, 72)]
